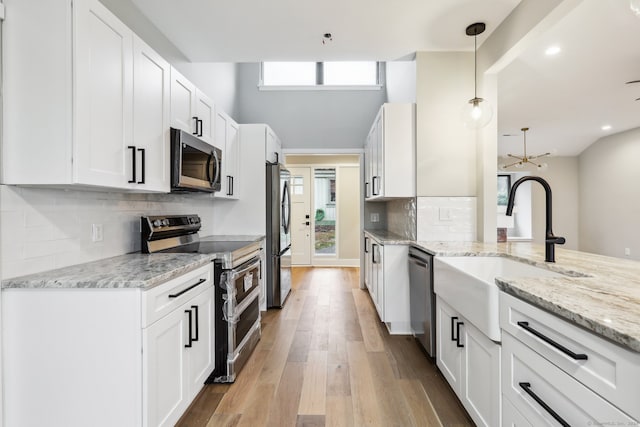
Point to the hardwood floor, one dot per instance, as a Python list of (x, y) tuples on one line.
[(325, 359)]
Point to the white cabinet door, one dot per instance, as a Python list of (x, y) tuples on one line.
[(151, 108), (366, 254), (164, 374), (233, 158), (273, 150), (481, 375), (183, 103), (227, 136), (205, 113), (449, 355), (379, 158), (200, 354), (377, 277), (103, 95)]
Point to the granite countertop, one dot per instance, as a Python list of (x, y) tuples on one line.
[(389, 238), (599, 293), (124, 271)]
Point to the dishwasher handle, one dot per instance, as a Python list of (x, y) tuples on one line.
[(418, 260)]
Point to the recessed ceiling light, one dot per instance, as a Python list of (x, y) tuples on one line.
[(552, 50), (606, 127)]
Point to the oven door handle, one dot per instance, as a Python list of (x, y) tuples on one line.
[(240, 308), (234, 274)]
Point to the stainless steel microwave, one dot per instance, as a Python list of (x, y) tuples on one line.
[(195, 165)]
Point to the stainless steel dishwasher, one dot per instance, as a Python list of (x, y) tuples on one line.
[(423, 301)]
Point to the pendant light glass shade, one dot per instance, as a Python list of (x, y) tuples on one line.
[(477, 112), (635, 6)]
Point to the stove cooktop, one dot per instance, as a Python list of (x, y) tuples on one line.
[(209, 247)]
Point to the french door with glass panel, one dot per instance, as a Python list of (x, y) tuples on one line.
[(300, 215)]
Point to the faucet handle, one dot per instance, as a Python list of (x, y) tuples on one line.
[(556, 240)]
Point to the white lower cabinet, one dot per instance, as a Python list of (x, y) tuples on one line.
[(511, 417), (178, 359), (471, 364), (554, 370), (387, 280), (106, 357)]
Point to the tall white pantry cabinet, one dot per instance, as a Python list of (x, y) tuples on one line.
[(86, 102)]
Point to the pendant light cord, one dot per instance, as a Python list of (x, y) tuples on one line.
[(475, 65)]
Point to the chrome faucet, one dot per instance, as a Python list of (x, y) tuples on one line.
[(550, 239)]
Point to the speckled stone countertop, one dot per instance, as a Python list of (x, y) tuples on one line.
[(388, 238), (599, 293), (124, 271)]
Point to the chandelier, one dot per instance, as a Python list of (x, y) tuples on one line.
[(521, 160)]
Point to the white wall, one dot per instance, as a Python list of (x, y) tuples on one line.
[(446, 150), (43, 229), (401, 81), (610, 195), (313, 119)]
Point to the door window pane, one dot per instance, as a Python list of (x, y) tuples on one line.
[(325, 214)]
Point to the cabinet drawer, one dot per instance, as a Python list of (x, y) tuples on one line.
[(161, 300), (530, 382), (511, 417), (609, 370)]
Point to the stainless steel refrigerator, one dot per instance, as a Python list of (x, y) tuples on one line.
[(278, 253)]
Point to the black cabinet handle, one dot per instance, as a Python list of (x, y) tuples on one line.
[(366, 247), (565, 350), (453, 328), (366, 190), (199, 122), (373, 184), (196, 120), (201, 281), (195, 309), (190, 328), (133, 164), (373, 253), (141, 150), (229, 185), (527, 389), (233, 185), (458, 334), (277, 157)]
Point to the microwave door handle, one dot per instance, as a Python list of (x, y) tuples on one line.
[(207, 168), (218, 167)]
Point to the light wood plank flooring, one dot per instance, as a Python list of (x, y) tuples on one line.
[(325, 359)]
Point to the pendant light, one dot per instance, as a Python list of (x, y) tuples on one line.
[(477, 112), (521, 160)]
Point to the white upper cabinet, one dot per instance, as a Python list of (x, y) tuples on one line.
[(151, 99), (390, 154), (71, 71), (192, 110), (273, 150), (226, 135)]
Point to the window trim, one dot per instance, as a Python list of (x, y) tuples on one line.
[(318, 86)]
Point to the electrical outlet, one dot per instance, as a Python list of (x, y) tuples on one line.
[(96, 233), (375, 217), (627, 251)]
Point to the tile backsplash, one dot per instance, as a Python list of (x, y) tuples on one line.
[(401, 217), (450, 219), (43, 229)]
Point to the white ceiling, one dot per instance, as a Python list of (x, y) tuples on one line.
[(567, 98), (258, 30)]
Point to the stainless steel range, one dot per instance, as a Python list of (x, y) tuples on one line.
[(238, 279)]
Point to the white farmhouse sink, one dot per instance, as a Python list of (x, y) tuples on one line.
[(468, 285)]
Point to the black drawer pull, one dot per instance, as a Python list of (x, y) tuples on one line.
[(195, 308), (458, 334), (527, 389), (142, 151), (190, 328), (453, 328), (201, 281), (565, 350), (133, 164)]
